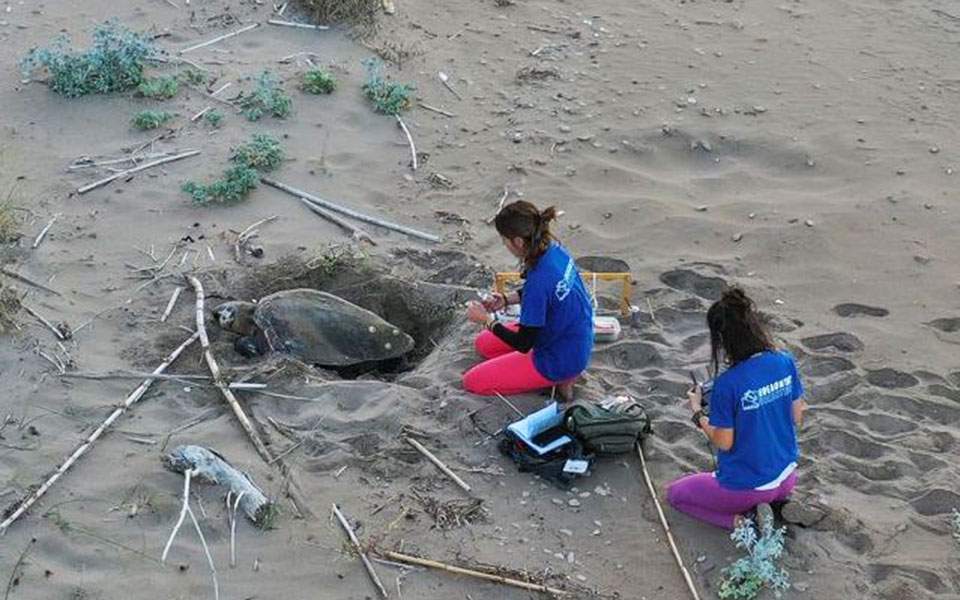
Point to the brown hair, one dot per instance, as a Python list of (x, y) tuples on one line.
[(522, 219), (736, 329)]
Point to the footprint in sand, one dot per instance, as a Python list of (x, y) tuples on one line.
[(841, 341), (946, 325), (936, 502), (852, 309), (891, 378), (709, 288)]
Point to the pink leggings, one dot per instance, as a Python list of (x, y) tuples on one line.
[(701, 497), (505, 371)]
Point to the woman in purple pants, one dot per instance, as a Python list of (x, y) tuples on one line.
[(755, 408)]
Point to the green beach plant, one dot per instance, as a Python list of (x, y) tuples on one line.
[(114, 62), (387, 97), (159, 88), (267, 98), (214, 118), (151, 119), (750, 575), (263, 153), (234, 186), (319, 81)]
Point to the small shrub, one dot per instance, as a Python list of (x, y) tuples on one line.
[(319, 81), (263, 153), (9, 224), (159, 88), (387, 97), (114, 62), (267, 97), (214, 118), (151, 119), (748, 576), (236, 184), (9, 306)]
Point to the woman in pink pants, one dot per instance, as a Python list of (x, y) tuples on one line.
[(756, 406), (553, 341)]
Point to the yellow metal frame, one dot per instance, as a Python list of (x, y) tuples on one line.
[(502, 279)]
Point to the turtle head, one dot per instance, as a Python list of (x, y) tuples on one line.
[(235, 316)]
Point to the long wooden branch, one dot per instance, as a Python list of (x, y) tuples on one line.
[(224, 387), (350, 212), (82, 449), (363, 555), (355, 232), (92, 186)]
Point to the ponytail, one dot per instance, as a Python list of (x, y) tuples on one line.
[(522, 219), (736, 329)]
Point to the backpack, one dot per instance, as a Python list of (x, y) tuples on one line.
[(549, 466), (611, 428)]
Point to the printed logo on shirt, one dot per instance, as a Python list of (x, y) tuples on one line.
[(565, 285), (754, 399)]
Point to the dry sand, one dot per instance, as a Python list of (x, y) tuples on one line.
[(820, 135)]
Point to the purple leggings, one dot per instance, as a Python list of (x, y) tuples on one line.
[(701, 497)]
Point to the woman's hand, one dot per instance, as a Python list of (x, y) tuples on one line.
[(695, 398), (494, 302), (477, 313)]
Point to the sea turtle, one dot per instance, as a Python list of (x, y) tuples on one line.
[(314, 326)]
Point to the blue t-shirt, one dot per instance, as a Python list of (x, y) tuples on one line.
[(555, 299), (755, 398)]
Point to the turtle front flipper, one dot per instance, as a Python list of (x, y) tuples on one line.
[(250, 346)]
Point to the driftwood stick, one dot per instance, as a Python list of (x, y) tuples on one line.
[(300, 25), (200, 114), (423, 562), (349, 212), (265, 454), (355, 232), (28, 281), (106, 180), (181, 518), (503, 198), (82, 449), (666, 526), (439, 111), (232, 513), (215, 469), (47, 324), (43, 232), (219, 38), (171, 303), (363, 555), (413, 149), (90, 164), (439, 464), (510, 404), (136, 375)]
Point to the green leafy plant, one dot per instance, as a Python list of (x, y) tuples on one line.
[(387, 97), (267, 97), (263, 153), (214, 118), (748, 576), (955, 522), (159, 88), (151, 119), (9, 224), (319, 81), (234, 186), (114, 62)]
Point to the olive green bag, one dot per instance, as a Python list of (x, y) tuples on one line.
[(613, 427)]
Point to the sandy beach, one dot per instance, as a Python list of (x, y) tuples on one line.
[(805, 150)]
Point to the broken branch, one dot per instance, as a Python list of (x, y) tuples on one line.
[(106, 180), (413, 149), (439, 464), (363, 555), (219, 38)]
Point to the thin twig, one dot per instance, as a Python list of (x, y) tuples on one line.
[(439, 464), (171, 303), (86, 444), (28, 281), (653, 316), (300, 25), (200, 114), (46, 323), (219, 38), (413, 149), (510, 404), (439, 111), (89, 164), (233, 528), (356, 233), (106, 180), (43, 232), (183, 514), (206, 550), (16, 567), (666, 525), (363, 555), (265, 454)]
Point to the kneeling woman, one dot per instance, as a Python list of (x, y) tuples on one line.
[(755, 409), (552, 344)]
